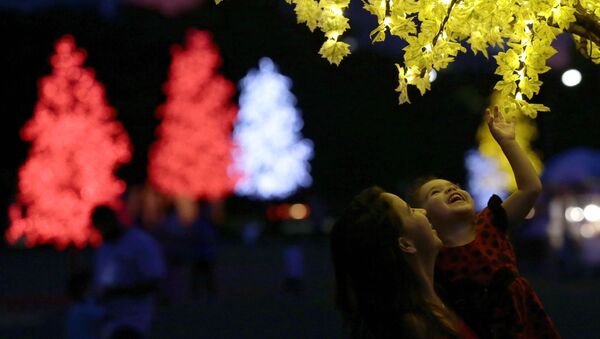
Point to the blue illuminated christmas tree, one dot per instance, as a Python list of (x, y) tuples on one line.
[(273, 155), (484, 178)]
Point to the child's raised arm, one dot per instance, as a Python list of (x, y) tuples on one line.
[(529, 186)]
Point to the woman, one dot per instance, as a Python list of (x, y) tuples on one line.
[(384, 253)]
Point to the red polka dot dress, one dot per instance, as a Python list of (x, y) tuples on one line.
[(482, 283)]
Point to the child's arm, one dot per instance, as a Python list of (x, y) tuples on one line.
[(529, 186)]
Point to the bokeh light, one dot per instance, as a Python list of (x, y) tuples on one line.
[(571, 78), (591, 212), (574, 214)]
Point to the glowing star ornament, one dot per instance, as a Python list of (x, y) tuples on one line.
[(435, 32), (485, 178), (76, 145), (273, 155), (194, 150)]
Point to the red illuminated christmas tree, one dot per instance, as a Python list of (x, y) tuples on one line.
[(193, 154), (76, 145)]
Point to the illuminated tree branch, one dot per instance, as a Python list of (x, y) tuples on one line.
[(586, 26), (444, 22), (435, 32)]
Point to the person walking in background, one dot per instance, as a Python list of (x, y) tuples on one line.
[(85, 316), (188, 236), (128, 267)]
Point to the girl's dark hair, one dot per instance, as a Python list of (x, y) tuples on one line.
[(375, 289), (414, 190)]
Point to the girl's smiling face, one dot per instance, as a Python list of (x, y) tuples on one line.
[(446, 203)]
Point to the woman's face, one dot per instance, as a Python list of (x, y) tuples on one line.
[(415, 225)]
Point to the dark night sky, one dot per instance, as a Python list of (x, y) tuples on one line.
[(351, 112)]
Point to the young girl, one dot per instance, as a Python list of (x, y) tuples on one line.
[(383, 255), (477, 266)]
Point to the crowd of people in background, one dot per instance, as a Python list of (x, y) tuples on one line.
[(154, 250)]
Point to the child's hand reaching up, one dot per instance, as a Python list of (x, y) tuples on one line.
[(501, 129), (520, 202)]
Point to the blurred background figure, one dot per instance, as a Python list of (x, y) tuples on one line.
[(572, 179), (189, 239), (296, 225), (293, 267), (128, 267), (84, 316), (200, 219), (146, 207)]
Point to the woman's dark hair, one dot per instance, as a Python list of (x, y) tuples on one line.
[(375, 289)]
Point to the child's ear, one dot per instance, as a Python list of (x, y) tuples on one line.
[(406, 245)]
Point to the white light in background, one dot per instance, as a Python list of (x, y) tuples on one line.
[(587, 230), (591, 212), (574, 214), (571, 78)]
